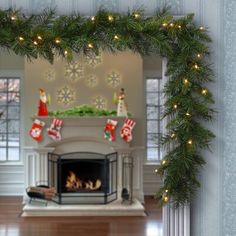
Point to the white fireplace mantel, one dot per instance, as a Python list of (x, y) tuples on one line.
[(83, 134)]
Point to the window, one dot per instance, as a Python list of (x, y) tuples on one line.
[(9, 119), (153, 117)]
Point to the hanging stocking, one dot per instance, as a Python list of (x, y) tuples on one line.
[(54, 130), (126, 130), (109, 130), (36, 130)]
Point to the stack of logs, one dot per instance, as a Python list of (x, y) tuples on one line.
[(47, 193)]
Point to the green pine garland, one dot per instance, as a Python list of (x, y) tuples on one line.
[(84, 110), (188, 100)]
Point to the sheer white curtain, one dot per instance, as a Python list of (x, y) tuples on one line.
[(89, 7)]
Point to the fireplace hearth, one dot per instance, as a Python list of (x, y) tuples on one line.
[(83, 177)]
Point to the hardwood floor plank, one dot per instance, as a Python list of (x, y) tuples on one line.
[(13, 225)]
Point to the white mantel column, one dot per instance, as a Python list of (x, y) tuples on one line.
[(36, 165)]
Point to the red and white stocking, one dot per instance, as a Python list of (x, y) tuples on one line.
[(109, 130), (126, 130), (36, 130), (54, 130)]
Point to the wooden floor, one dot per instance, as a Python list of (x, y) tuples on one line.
[(11, 224)]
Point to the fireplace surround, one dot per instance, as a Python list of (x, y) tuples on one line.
[(84, 134), (83, 177)]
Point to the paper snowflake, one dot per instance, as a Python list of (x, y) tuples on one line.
[(65, 95), (99, 102), (74, 71), (113, 79), (92, 59), (49, 75), (91, 81)]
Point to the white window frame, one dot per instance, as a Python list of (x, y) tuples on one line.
[(157, 119), (15, 74)]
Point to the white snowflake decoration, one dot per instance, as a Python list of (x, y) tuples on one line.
[(49, 75), (91, 81), (99, 102), (113, 79), (92, 59), (65, 95), (74, 71)]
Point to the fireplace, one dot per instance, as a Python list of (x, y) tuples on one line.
[(83, 177)]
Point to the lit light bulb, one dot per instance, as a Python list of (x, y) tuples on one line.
[(171, 24), (164, 24), (21, 38), (163, 162), (93, 18), (156, 170), (179, 26), (172, 135), (136, 15), (188, 114), (65, 52), (186, 81), (35, 42), (13, 17), (175, 106), (190, 142), (110, 18), (57, 41), (116, 37), (166, 199), (196, 66), (199, 55), (202, 28), (166, 190), (39, 37), (90, 45), (204, 92)]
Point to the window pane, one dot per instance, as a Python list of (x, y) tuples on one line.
[(152, 126), (3, 140), (152, 154), (13, 98), (3, 154), (13, 154), (3, 99), (152, 112), (14, 140), (13, 112), (3, 126), (152, 85), (152, 99), (3, 85), (13, 85), (13, 126), (3, 111), (152, 140), (9, 119)]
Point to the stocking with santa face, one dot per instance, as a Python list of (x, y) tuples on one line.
[(54, 130), (110, 130), (126, 130), (36, 130)]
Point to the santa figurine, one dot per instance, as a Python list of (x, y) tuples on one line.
[(42, 108), (121, 104)]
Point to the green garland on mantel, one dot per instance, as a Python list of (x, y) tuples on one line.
[(84, 111), (185, 45)]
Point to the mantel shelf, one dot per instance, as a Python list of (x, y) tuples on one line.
[(82, 120)]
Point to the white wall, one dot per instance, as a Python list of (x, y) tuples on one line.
[(129, 67)]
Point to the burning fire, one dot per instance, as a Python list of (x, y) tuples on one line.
[(74, 183)]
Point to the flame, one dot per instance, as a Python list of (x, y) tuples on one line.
[(73, 183)]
